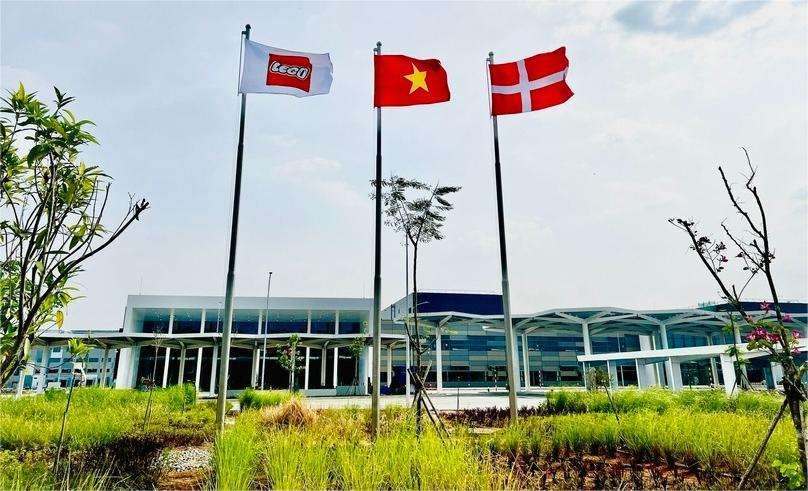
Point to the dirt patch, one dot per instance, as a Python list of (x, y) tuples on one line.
[(177, 480)]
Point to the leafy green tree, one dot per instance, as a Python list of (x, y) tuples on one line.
[(419, 211), (355, 348), (51, 221), (291, 360)]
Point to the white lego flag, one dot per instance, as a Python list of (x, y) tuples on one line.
[(268, 70)]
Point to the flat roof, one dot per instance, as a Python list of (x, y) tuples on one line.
[(119, 339)]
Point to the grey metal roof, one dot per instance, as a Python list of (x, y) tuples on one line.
[(603, 319)]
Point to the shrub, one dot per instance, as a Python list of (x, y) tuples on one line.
[(257, 399), (235, 456), (291, 413)]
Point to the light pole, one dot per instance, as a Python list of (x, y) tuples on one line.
[(266, 329)]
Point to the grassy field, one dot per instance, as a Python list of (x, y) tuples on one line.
[(660, 400), (332, 450), (97, 416), (695, 439), (682, 441), (106, 441)]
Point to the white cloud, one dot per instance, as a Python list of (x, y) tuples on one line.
[(657, 106), (321, 178), (308, 168)]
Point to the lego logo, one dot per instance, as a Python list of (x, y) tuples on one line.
[(289, 71), (299, 72)]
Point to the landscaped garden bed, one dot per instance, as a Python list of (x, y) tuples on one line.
[(696, 439)]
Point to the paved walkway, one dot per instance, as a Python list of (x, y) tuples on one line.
[(443, 401)]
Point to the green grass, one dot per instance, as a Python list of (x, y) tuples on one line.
[(257, 399), (106, 445), (717, 435), (719, 441), (702, 429), (660, 400), (98, 416), (16, 475), (234, 456), (335, 451)]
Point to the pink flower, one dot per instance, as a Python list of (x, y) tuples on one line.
[(774, 338), (765, 306), (787, 318), (757, 334), (797, 334), (795, 351)]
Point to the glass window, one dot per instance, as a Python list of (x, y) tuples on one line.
[(351, 322), (246, 321), (187, 321), (156, 320), (323, 322), (288, 321)]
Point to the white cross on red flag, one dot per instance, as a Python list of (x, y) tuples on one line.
[(531, 84)]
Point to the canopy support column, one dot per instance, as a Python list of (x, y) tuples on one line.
[(438, 359), (525, 362), (181, 374), (336, 365), (198, 373), (323, 360), (213, 366), (389, 365), (165, 367), (43, 376), (728, 369), (256, 359), (306, 369)]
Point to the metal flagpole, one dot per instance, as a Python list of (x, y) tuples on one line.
[(510, 352), (407, 272), (224, 353), (266, 329), (377, 275)]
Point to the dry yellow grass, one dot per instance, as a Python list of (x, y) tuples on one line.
[(291, 413)]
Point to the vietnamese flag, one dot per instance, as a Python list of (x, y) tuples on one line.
[(403, 81)]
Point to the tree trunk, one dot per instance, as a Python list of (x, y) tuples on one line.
[(147, 416), (419, 405), (293, 351), (64, 424), (356, 375), (792, 388), (763, 444), (795, 408)]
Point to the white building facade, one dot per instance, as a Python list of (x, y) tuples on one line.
[(176, 339)]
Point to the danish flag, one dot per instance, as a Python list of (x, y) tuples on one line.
[(531, 84)]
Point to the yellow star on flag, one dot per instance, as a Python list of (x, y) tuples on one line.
[(418, 79)]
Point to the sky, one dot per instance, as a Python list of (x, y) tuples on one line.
[(664, 93)]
